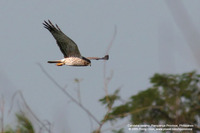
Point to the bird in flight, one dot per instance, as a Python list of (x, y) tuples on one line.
[(72, 55)]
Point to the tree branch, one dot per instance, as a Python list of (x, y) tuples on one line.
[(68, 95), (106, 81), (29, 109)]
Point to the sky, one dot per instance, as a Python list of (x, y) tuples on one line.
[(152, 37)]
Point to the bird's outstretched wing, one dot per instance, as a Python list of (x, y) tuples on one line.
[(67, 46), (106, 57)]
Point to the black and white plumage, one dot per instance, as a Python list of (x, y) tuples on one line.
[(68, 47)]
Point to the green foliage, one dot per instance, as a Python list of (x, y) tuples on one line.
[(118, 131), (9, 130), (110, 99), (172, 99), (23, 126)]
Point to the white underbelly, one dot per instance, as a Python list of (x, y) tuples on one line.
[(75, 61)]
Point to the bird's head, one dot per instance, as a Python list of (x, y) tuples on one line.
[(87, 61)]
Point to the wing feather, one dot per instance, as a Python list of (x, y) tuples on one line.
[(67, 46), (106, 57)]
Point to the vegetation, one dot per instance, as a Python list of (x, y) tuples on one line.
[(23, 125), (172, 99)]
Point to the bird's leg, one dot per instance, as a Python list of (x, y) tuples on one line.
[(59, 64)]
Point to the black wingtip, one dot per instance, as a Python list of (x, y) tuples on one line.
[(106, 57), (49, 25), (46, 25)]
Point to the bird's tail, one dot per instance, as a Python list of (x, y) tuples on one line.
[(58, 62)]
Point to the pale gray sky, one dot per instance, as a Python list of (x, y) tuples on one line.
[(148, 40)]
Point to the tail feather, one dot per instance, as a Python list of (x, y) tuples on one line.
[(57, 61)]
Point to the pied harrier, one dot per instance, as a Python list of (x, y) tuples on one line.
[(68, 47)]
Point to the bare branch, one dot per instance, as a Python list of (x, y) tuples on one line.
[(108, 49), (42, 125), (186, 25), (112, 40), (107, 80), (68, 95), (78, 89)]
